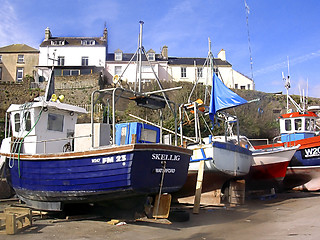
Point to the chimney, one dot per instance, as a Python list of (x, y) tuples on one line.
[(47, 34), (164, 52), (222, 55), (105, 34)]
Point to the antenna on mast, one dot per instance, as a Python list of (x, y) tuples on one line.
[(249, 43)]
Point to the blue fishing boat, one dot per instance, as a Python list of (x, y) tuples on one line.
[(51, 161)]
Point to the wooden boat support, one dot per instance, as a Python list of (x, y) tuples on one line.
[(15, 219)]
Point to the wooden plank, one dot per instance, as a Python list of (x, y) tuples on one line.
[(197, 197), (164, 206), (11, 227)]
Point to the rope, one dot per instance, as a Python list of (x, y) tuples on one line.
[(24, 138)]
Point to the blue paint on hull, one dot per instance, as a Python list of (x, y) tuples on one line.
[(300, 159), (103, 177)]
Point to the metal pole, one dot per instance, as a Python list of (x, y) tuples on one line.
[(92, 118), (140, 57), (113, 117), (195, 121), (181, 119), (161, 122), (5, 125), (175, 126)]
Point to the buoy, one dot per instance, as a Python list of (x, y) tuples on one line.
[(54, 98), (115, 79), (61, 98)]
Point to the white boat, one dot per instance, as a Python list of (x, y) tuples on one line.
[(222, 160)]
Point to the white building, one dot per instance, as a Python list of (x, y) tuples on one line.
[(175, 69), (72, 55), (118, 63), (190, 69)]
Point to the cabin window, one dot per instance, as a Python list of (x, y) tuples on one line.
[(17, 122), (55, 122), (297, 124), (309, 124), (123, 135), (27, 119), (148, 135), (287, 125)]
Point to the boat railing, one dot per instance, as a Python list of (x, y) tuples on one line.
[(291, 140), (53, 140)]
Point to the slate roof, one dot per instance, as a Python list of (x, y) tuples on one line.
[(172, 60), (18, 48), (74, 41), (198, 61), (126, 57)]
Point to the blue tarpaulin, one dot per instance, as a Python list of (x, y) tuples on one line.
[(222, 97)]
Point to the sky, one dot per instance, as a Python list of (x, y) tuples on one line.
[(277, 32)]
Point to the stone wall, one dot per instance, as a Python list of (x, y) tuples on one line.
[(76, 89)]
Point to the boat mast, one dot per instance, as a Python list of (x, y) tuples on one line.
[(140, 57)]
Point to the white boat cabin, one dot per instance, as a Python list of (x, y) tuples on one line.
[(296, 126), (40, 127)]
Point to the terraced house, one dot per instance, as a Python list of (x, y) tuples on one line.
[(17, 61)]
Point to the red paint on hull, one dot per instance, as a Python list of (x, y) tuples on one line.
[(269, 171)]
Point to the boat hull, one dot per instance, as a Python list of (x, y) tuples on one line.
[(269, 168), (50, 181), (303, 170), (222, 162)]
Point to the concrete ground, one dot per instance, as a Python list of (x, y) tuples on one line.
[(290, 215)]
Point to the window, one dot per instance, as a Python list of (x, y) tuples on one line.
[(148, 135), (123, 135), (118, 56), (117, 70), (287, 125), (146, 69), (236, 86), (183, 72), (85, 61), (55, 122), (248, 86), (0, 73), (243, 87), (60, 61), (72, 72), (20, 58), (17, 122), (297, 124), (309, 124), (57, 42), (27, 119), (88, 42), (151, 56), (199, 72), (19, 74), (0, 58)]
